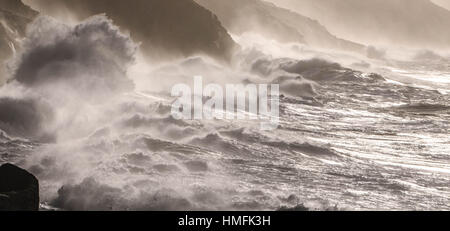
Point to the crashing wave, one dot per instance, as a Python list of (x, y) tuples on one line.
[(89, 59)]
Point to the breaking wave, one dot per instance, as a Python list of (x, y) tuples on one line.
[(105, 139), (89, 59), (25, 118)]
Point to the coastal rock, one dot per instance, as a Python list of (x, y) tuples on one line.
[(19, 190), (166, 28), (273, 22), (14, 18), (411, 23)]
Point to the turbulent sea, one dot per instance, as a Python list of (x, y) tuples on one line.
[(94, 125)]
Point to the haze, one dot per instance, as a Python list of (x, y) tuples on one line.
[(410, 23)]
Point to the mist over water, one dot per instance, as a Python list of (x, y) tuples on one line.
[(88, 114), (390, 23), (442, 3)]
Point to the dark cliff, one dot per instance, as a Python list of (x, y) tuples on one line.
[(14, 18), (283, 25), (166, 28)]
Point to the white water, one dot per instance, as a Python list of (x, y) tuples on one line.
[(358, 144)]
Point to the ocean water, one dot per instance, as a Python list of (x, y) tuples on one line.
[(97, 131)]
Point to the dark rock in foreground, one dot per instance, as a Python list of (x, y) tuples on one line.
[(19, 190)]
